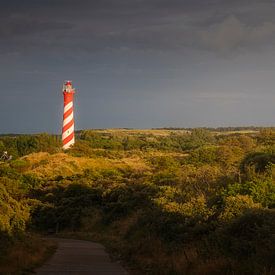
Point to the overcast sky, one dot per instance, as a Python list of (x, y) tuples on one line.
[(137, 63)]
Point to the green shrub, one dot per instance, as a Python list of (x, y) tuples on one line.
[(13, 214), (260, 189), (20, 165), (235, 206)]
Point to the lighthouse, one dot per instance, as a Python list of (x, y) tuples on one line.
[(68, 115)]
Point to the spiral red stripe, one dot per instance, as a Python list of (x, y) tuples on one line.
[(67, 126), (66, 114), (68, 138)]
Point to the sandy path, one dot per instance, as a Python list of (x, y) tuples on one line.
[(80, 257)]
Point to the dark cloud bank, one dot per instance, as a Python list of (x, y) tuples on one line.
[(137, 63)]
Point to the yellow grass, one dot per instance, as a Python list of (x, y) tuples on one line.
[(47, 165)]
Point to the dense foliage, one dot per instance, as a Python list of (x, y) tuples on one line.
[(168, 201)]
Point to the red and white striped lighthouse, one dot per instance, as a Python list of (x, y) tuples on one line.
[(68, 115)]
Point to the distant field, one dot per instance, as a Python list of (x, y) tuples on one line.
[(244, 132), (129, 132), (167, 132), (164, 132)]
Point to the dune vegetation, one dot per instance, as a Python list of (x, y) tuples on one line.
[(164, 201)]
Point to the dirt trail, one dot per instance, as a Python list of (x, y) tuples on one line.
[(80, 257)]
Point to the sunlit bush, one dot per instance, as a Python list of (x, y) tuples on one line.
[(235, 206)]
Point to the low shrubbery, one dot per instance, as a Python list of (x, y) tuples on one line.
[(182, 203)]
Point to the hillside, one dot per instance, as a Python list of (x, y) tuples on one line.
[(45, 165), (163, 201)]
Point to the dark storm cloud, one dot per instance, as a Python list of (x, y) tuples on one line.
[(18, 25), (172, 59), (139, 24)]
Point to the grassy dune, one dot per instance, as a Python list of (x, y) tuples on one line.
[(47, 165)]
